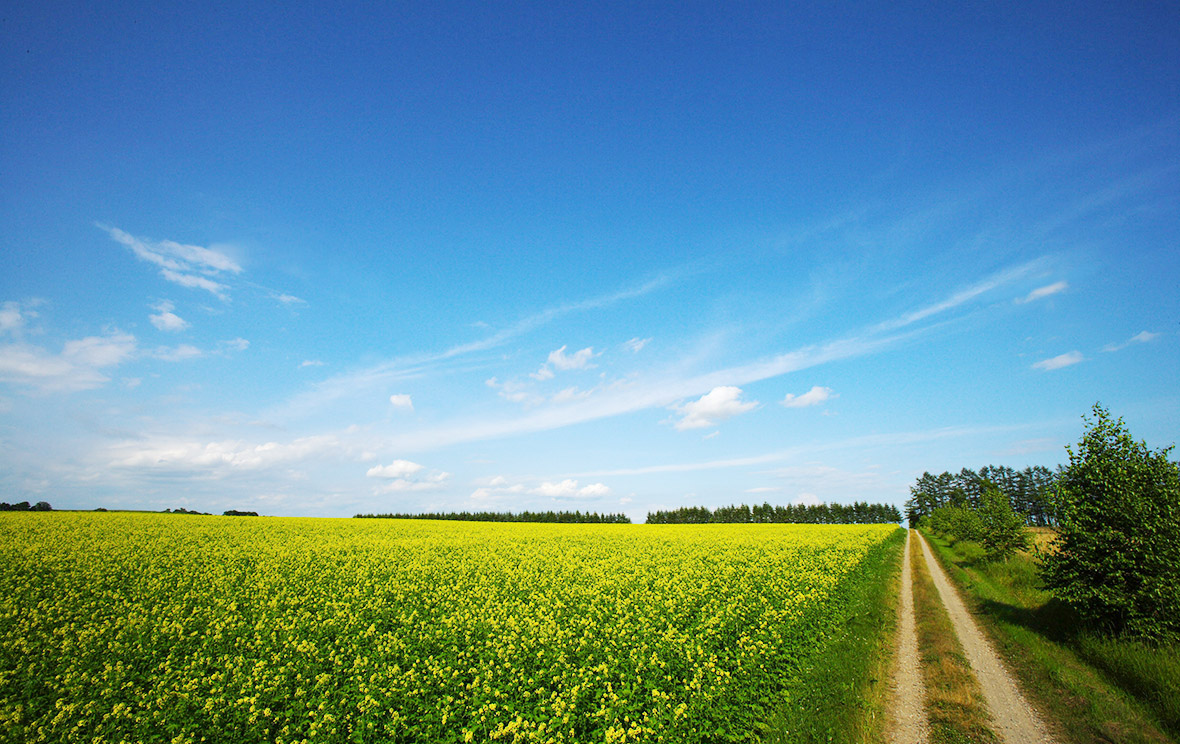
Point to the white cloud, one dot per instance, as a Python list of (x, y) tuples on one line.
[(812, 397), (1045, 291), (568, 394), (193, 281), (718, 404), (568, 489), (100, 351), (177, 353), (764, 489), (579, 360), (402, 401), (396, 469), (659, 388), (512, 391), (165, 319), (1142, 337), (288, 299), (218, 458), (77, 367), (311, 363), (636, 344), (959, 298), (14, 316), (1059, 361), (235, 344), (563, 489), (434, 482), (363, 380), (186, 265), (560, 360), (807, 499)]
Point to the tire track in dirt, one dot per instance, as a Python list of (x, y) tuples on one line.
[(1014, 719), (909, 692)]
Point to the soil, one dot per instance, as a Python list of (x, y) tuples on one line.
[(909, 693), (1013, 718)]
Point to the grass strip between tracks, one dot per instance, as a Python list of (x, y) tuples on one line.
[(955, 706)]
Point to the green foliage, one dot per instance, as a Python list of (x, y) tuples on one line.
[(1031, 492), (1108, 689), (860, 512), (24, 506), (1118, 557), (1003, 529), (958, 522)]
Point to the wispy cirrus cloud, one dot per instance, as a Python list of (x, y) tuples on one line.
[(1042, 292), (961, 297), (1143, 337), (416, 365), (191, 266), (670, 386), (1058, 362)]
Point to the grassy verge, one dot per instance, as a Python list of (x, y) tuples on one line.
[(955, 704), (1098, 690), (846, 686)]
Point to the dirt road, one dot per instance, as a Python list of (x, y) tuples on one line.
[(909, 692), (1014, 719)]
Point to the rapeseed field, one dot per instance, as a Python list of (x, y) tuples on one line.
[(170, 628)]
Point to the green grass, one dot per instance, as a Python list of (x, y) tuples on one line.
[(1098, 689), (955, 705), (844, 692)]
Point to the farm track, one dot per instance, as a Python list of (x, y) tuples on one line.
[(909, 692), (1015, 721)]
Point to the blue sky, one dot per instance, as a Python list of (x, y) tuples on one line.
[(313, 261)]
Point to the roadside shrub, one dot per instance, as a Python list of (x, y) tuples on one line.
[(1117, 560), (958, 522), (1003, 529)]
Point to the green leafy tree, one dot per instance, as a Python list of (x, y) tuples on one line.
[(1118, 556), (957, 522), (1003, 528)]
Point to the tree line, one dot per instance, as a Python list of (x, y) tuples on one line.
[(859, 512), (558, 517), (24, 506), (1116, 510), (1030, 492)]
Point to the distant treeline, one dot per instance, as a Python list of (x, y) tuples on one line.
[(1031, 492), (562, 517), (24, 506), (858, 513)]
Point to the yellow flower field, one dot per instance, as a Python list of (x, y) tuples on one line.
[(170, 628)]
